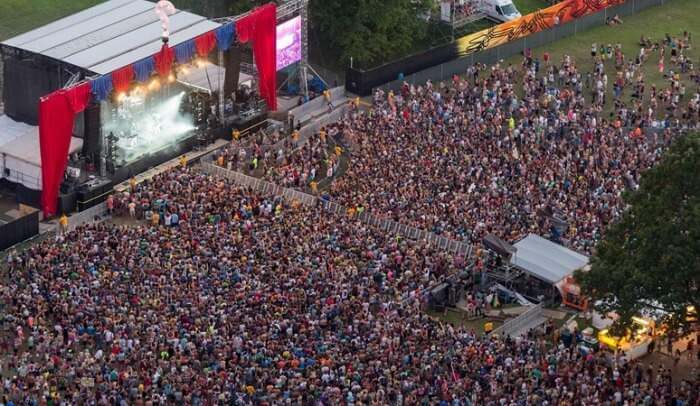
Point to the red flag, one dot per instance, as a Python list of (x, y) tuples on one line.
[(205, 43), (121, 78), (164, 60)]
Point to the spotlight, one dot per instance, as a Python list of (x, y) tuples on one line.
[(171, 78), (201, 63), (121, 96), (154, 85), (184, 70)]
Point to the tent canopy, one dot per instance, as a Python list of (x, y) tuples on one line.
[(546, 260), (19, 144), (110, 35)]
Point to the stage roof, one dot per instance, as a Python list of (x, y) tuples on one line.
[(546, 260), (110, 35)]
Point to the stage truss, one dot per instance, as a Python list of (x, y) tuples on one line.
[(286, 11)]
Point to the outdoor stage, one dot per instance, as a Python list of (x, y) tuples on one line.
[(120, 95)]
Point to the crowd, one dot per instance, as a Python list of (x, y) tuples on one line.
[(463, 9), (203, 292), (213, 295), (315, 160), (246, 299), (508, 150), (297, 164)]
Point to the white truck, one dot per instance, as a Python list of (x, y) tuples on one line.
[(458, 12), (499, 10)]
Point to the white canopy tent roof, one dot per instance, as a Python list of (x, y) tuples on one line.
[(110, 35), (19, 146), (546, 260)]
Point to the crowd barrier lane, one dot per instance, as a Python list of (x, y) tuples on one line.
[(305, 133), (95, 214), (306, 111), (391, 227)]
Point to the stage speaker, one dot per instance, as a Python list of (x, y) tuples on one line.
[(67, 202), (439, 294), (92, 143), (500, 247), (232, 63)]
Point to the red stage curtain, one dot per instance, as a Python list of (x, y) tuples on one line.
[(121, 78), (164, 60), (260, 27), (56, 115), (205, 43)]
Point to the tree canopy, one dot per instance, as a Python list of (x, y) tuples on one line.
[(650, 259), (218, 8), (370, 31)]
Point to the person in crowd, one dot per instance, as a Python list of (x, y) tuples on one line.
[(63, 223)]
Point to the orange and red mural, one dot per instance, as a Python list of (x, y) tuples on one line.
[(567, 10)]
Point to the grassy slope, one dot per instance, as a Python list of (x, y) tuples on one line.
[(18, 16), (673, 18)]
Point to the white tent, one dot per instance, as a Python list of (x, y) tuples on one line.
[(21, 154), (546, 260)]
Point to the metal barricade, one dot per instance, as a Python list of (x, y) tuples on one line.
[(517, 324)]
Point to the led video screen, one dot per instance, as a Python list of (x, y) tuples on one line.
[(288, 42)]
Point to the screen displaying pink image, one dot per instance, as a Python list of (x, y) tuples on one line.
[(288, 42)]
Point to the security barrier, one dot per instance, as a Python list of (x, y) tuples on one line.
[(94, 214), (516, 325)]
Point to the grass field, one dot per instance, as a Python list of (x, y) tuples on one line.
[(528, 6), (18, 16), (455, 318), (673, 18)]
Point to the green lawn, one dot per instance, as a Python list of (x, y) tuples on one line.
[(455, 317), (673, 18), (528, 6), (18, 16)]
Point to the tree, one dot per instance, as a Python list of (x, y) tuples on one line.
[(236, 7), (650, 259), (369, 31)]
